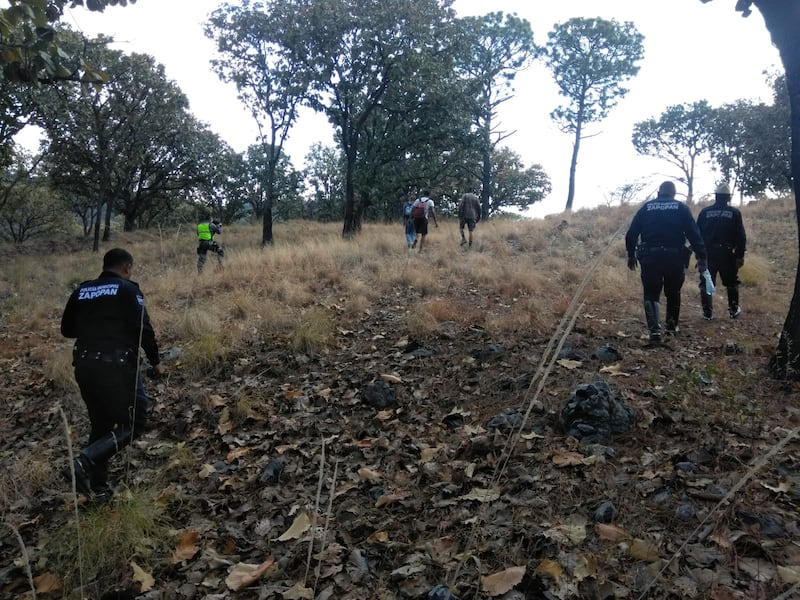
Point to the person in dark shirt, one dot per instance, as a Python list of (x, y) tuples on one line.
[(726, 241), (108, 317), (656, 239)]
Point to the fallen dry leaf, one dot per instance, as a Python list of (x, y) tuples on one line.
[(216, 400), (187, 547), (142, 577), (237, 453), (369, 474), (391, 498), (611, 533), (206, 471), (389, 378), (567, 458), (782, 487), (569, 364), (643, 550), (502, 582), (380, 537), (225, 424), (299, 592), (550, 568), (789, 573), (614, 371), (481, 495), (299, 526), (245, 574), (47, 583)]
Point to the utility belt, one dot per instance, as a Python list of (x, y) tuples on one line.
[(668, 252), (122, 357)]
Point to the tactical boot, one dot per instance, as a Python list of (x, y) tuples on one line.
[(463, 241), (103, 494), (706, 301), (101, 450), (673, 314), (83, 474), (651, 310), (733, 302)]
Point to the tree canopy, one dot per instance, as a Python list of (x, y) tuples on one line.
[(591, 59)]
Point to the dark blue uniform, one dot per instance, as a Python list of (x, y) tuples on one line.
[(657, 238), (108, 317), (726, 241)]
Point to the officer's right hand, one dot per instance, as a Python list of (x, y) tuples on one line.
[(740, 262), (159, 370), (702, 265), (632, 263)]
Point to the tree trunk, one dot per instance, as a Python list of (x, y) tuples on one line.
[(486, 182), (107, 229), (266, 223), (350, 227), (782, 19), (573, 166), (97, 217)]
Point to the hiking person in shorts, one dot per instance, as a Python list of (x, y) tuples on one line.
[(421, 211), (469, 215)]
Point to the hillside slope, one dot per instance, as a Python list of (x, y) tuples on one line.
[(362, 398)]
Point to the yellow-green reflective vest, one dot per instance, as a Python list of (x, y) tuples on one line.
[(204, 232)]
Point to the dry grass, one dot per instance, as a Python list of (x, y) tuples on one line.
[(517, 275), (130, 529)]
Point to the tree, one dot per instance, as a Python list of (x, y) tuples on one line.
[(130, 145), (752, 143), (782, 18), (323, 176), (494, 48), (32, 209), (590, 60), (269, 83), (31, 49), (354, 51), (513, 184), (682, 135)]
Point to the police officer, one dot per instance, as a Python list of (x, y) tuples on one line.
[(206, 230), (661, 228), (108, 317), (726, 241)]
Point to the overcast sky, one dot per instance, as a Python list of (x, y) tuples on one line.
[(693, 51)]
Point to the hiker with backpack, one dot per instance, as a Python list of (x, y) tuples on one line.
[(421, 211), (408, 222)]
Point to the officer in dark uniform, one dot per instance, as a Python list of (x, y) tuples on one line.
[(206, 230), (726, 241), (108, 317), (661, 228)]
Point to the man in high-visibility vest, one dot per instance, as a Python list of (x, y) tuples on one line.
[(206, 231)]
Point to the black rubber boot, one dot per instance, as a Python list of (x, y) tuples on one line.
[(707, 302), (673, 314), (733, 302), (651, 310), (101, 450), (83, 475)]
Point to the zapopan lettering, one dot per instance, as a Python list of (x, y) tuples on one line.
[(96, 291), (663, 206)]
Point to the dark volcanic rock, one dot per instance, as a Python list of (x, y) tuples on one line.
[(594, 413)]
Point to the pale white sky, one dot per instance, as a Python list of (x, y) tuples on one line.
[(693, 51)]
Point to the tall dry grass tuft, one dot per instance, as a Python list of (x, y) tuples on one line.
[(130, 529), (315, 331), (22, 476)]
